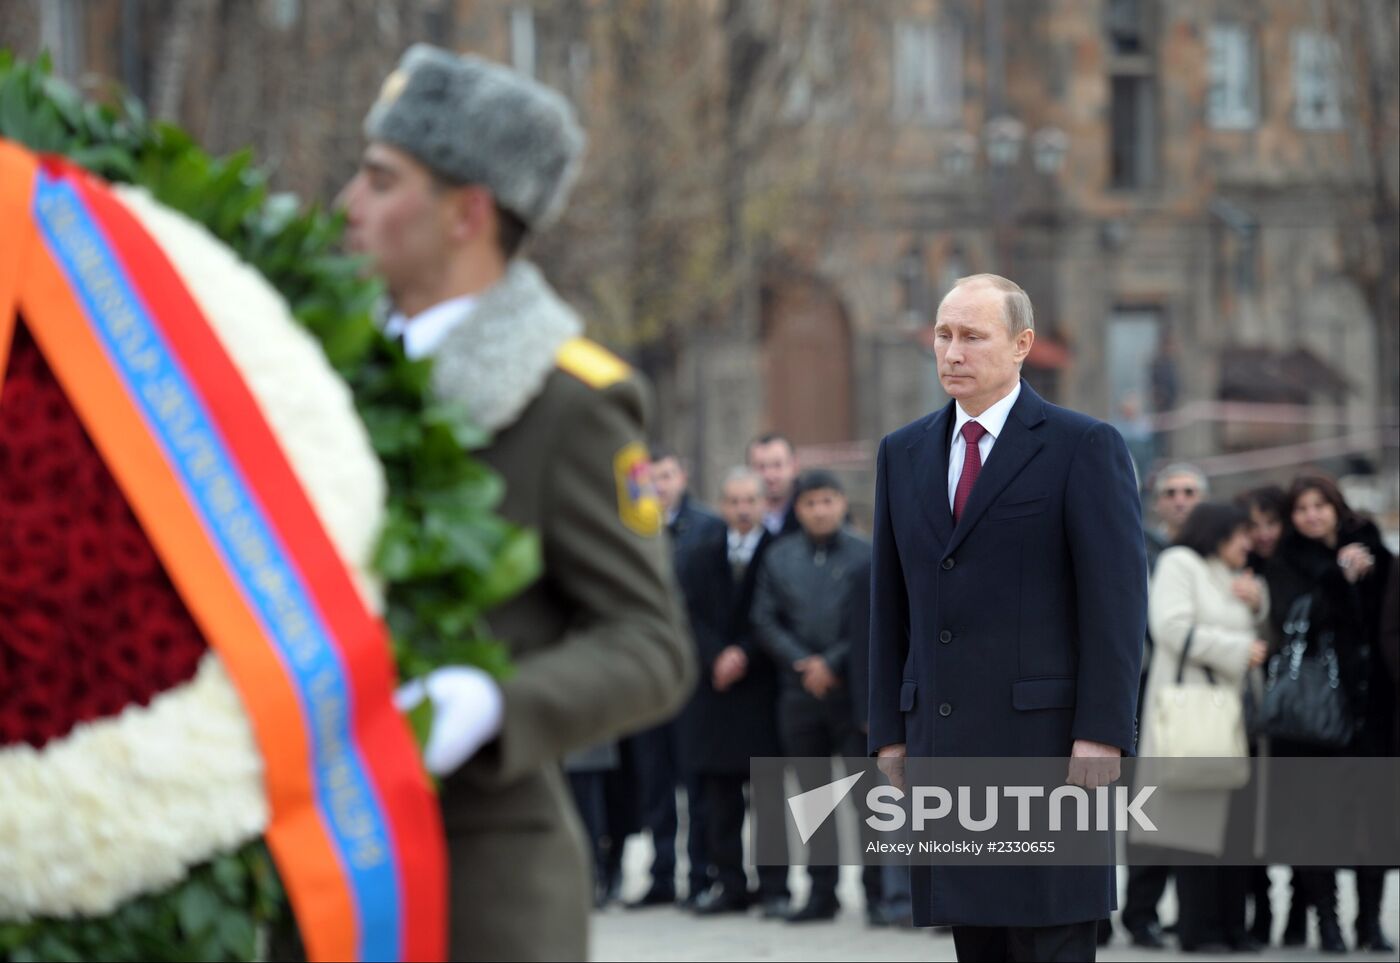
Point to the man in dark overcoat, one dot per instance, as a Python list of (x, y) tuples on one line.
[(1008, 609), (733, 714)]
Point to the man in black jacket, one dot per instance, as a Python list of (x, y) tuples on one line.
[(798, 608), (733, 715)]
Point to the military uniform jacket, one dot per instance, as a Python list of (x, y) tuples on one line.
[(597, 642)]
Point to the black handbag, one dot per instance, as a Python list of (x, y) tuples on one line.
[(1304, 700)]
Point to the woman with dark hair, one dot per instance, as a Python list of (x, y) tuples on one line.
[(1206, 604), (1267, 505), (1336, 558)]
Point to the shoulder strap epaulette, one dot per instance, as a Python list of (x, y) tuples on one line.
[(591, 363)]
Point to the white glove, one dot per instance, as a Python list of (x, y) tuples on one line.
[(467, 712)]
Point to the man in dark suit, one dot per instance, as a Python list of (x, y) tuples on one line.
[(734, 713), (687, 522), (1009, 602), (657, 752)]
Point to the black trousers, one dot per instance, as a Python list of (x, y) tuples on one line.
[(725, 805), (815, 730), (1146, 884), (1212, 904), (1031, 944), (658, 772), (590, 797)]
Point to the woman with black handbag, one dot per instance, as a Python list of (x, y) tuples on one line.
[(1326, 581)]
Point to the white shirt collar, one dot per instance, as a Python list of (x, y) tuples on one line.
[(993, 419), (742, 546), (424, 333)]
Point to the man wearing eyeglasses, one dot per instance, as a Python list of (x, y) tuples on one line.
[(1179, 489)]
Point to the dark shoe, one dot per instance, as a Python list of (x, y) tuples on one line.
[(816, 911), (1374, 943), (1330, 934), (689, 902), (880, 915), (775, 908), (1244, 944), (718, 900), (1105, 932), (656, 896), (897, 917), (1148, 936)]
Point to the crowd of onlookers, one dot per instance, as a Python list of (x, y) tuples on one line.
[(1232, 582), (776, 585)]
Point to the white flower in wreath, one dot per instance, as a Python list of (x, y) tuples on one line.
[(125, 805)]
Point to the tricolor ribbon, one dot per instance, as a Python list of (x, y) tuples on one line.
[(355, 828)]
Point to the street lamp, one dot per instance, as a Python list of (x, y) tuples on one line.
[(1004, 135), (1048, 148)]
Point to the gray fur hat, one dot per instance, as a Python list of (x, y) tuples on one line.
[(475, 122)]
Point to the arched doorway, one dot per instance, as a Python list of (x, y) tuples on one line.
[(806, 361)]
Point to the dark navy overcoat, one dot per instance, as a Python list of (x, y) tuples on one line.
[(1014, 632)]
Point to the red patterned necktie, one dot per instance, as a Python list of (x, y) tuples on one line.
[(972, 433)]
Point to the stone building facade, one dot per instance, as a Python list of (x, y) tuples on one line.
[(1199, 197)]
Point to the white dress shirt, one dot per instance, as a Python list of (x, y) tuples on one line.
[(424, 333), (774, 521), (742, 547), (994, 420)]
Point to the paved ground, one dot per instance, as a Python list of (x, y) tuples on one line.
[(669, 934)]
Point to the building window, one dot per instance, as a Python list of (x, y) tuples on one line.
[(1125, 24), (1233, 99), (1134, 135), (1317, 82), (522, 39), (927, 73), (819, 88)]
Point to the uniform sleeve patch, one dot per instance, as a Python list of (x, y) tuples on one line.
[(637, 505)]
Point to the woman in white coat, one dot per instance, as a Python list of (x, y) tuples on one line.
[(1203, 590)]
